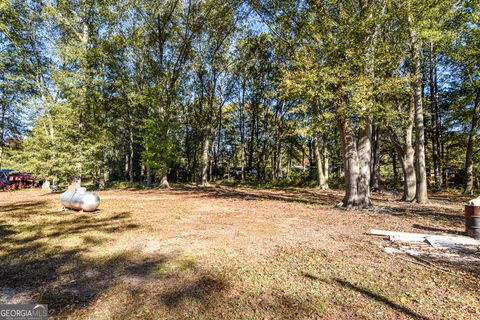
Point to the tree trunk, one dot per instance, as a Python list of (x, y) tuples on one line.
[(375, 181), (1, 154), (219, 140), (351, 162), (242, 142), (434, 118), (409, 174), (164, 182), (125, 167), (438, 129), (251, 147), (101, 175), (364, 161), (242, 131), (409, 177), (365, 131), (278, 163), (406, 153), (310, 152), (326, 158), (394, 169), (148, 176), (2, 132), (46, 186), (131, 153), (204, 161), (470, 146), (242, 157), (210, 176), (421, 194), (77, 179), (321, 181)]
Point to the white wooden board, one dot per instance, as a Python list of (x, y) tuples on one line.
[(430, 238)]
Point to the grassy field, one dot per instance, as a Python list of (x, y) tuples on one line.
[(229, 253)]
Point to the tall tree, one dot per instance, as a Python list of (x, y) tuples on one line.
[(464, 58)]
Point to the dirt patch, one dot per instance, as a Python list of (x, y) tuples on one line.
[(228, 253)]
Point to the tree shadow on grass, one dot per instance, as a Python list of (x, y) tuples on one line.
[(202, 289), (295, 196), (22, 209), (468, 262), (369, 294), (38, 267), (208, 292), (441, 230), (450, 198), (48, 261), (434, 211), (324, 198), (6, 230), (450, 216)]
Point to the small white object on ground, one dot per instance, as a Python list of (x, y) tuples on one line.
[(407, 239), (437, 241), (444, 244), (431, 245), (391, 250), (474, 202), (415, 253), (395, 233)]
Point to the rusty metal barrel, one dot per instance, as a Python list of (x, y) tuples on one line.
[(472, 221)]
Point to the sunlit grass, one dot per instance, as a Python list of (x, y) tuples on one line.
[(211, 254)]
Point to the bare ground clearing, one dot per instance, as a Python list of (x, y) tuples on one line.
[(229, 253)]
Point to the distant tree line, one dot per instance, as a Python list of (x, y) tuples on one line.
[(202, 90)]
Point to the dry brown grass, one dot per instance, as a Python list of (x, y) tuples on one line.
[(228, 253)]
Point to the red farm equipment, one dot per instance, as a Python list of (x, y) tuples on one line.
[(15, 181)]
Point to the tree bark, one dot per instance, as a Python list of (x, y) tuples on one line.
[(101, 175), (204, 161), (375, 181), (148, 176), (365, 131), (472, 136), (219, 140), (125, 166), (321, 181), (406, 153), (351, 161), (251, 146), (2, 132), (434, 117), (394, 168), (409, 174), (77, 179), (364, 161), (326, 160), (131, 153), (242, 131), (421, 194), (164, 182), (278, 162)]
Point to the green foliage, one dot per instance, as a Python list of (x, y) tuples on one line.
[(161, 146), (130, 87)]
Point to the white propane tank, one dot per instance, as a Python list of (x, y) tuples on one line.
[(80, 199)]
